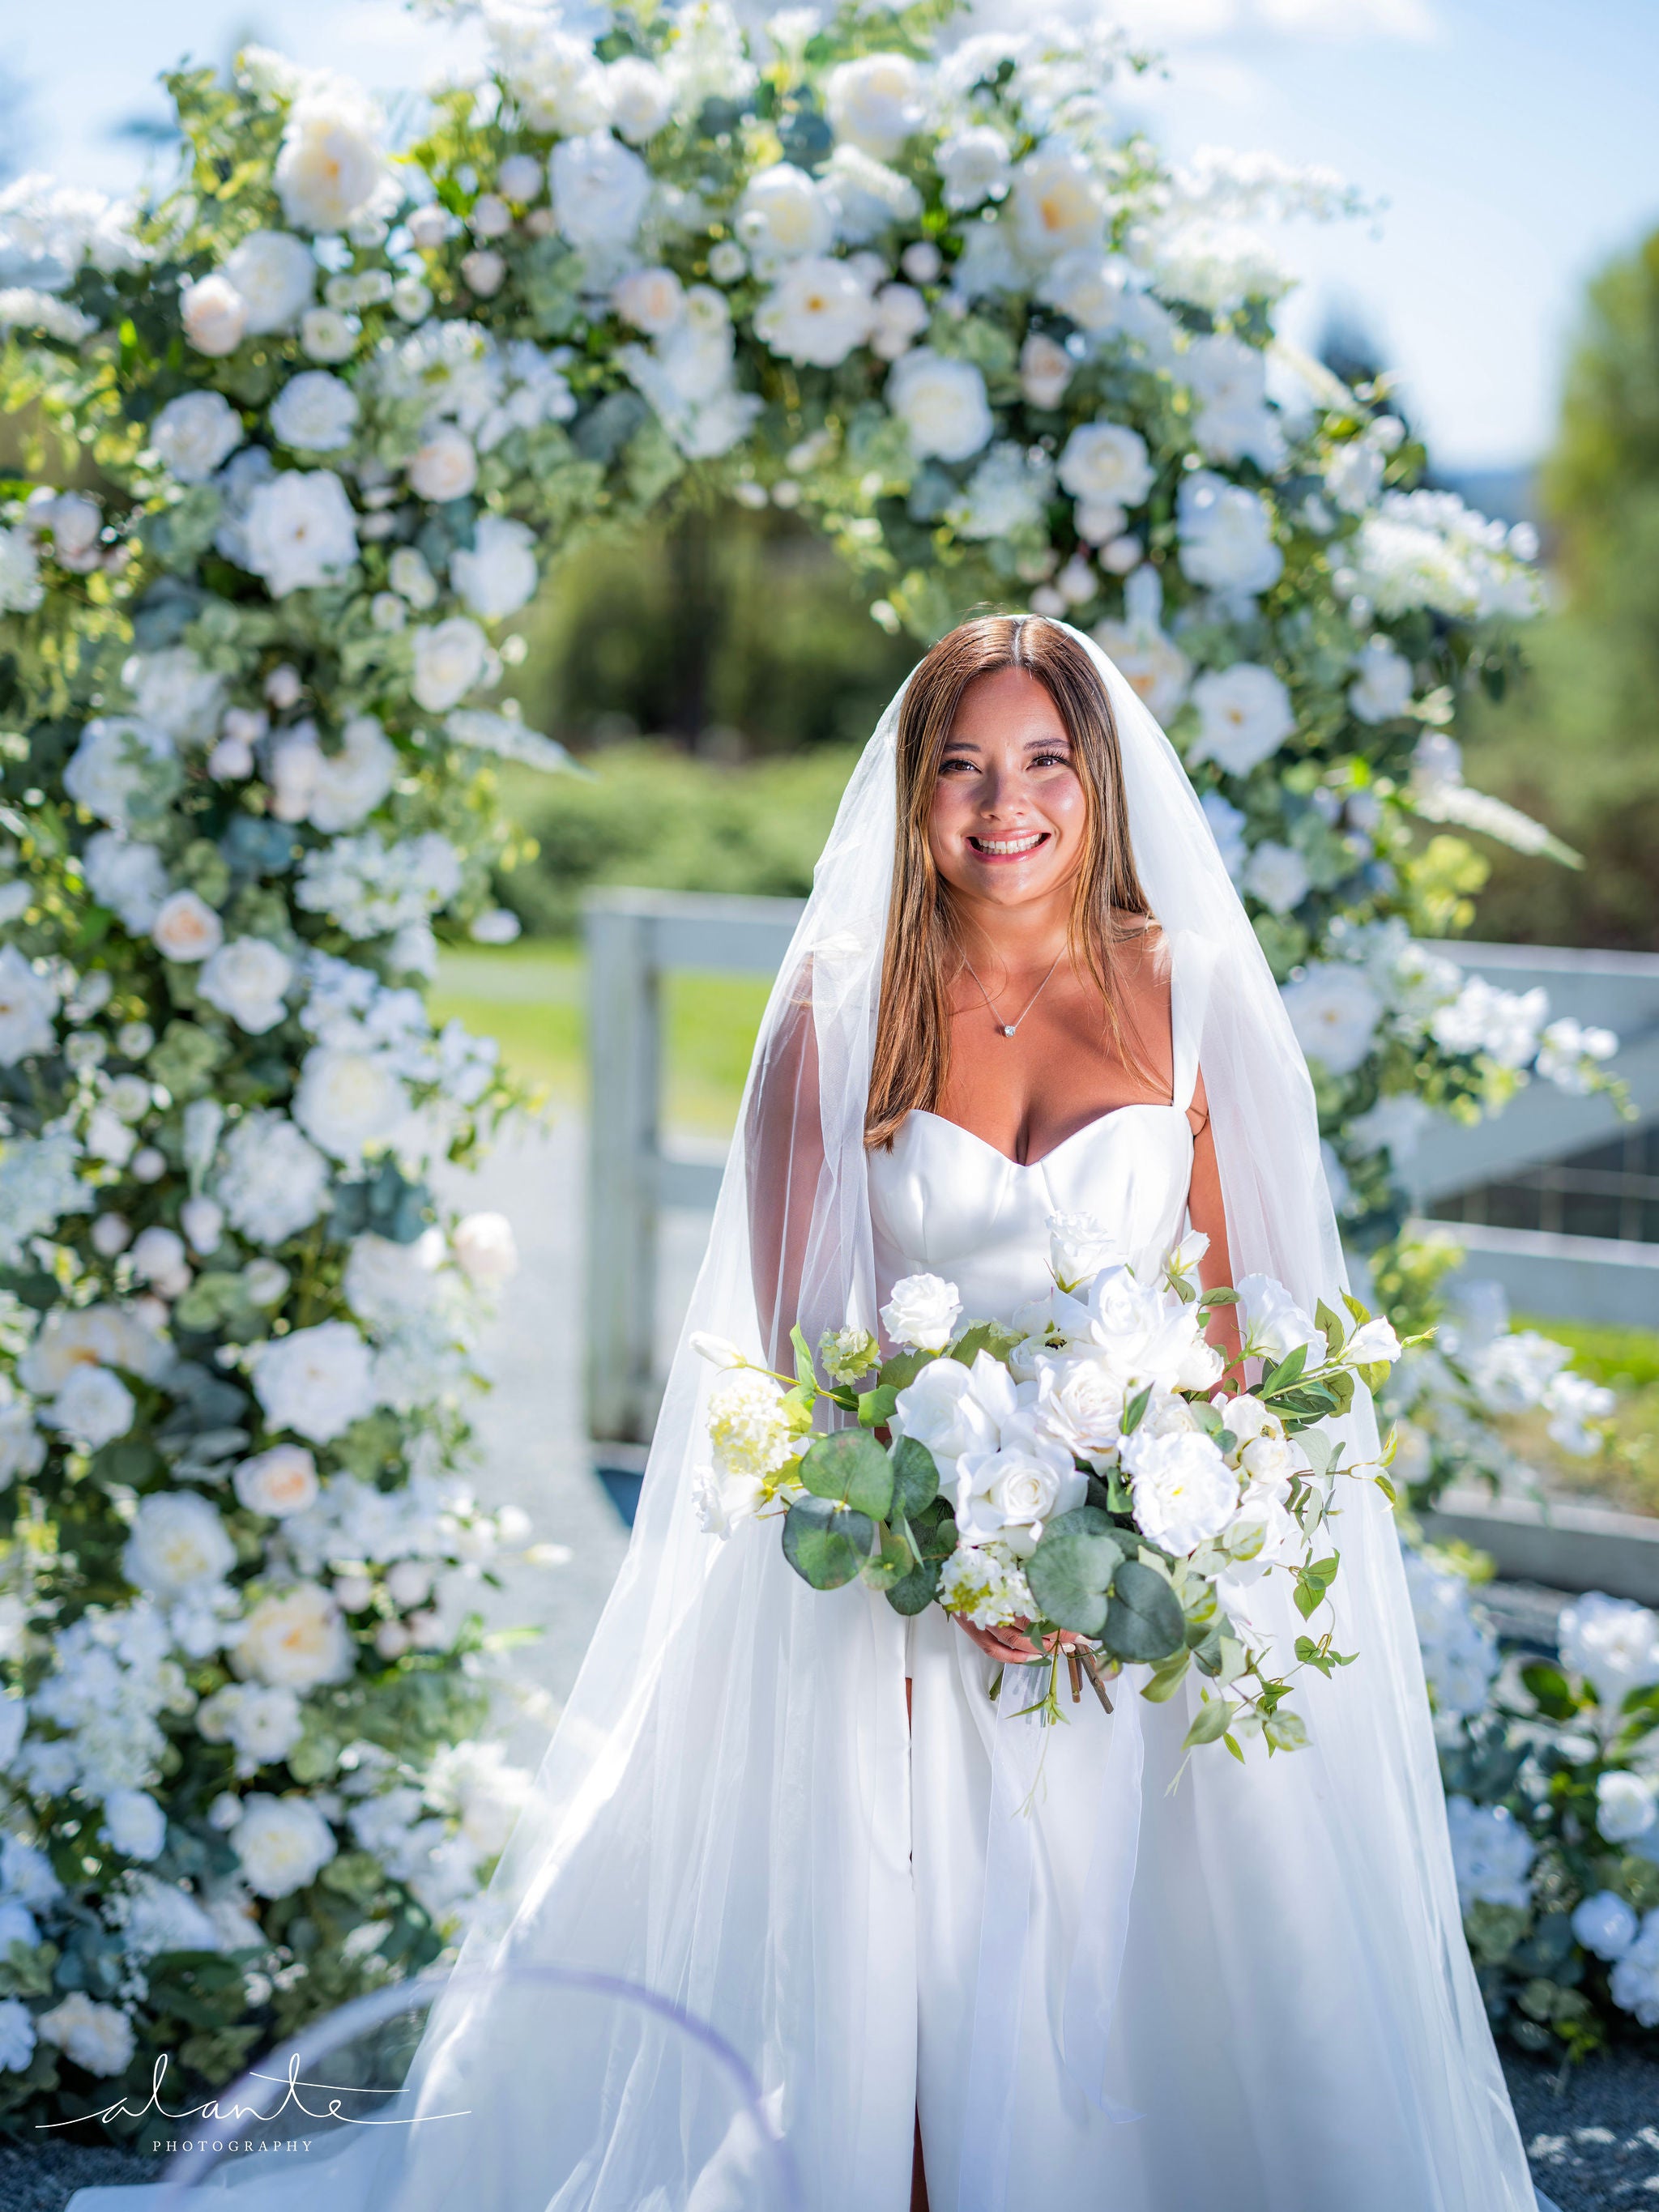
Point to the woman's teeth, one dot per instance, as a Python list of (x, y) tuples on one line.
[(1004, 845)]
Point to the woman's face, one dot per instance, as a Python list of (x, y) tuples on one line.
[(1008, 821)]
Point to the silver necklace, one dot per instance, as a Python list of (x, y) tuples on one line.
[(1007, 1029)]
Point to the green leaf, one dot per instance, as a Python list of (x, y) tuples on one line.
[(1286, 1731), (1336, 1333), (1551, 1689), (1222, 1295), (1361, 1313), (993, 1336), (806, 1374), (1287, 1371), (915, 1592), (899, 1372), (825, 1546), (851, 1466), (1073, 1568), (915, 1477), (1164, 1682), (1211, 1722), (890, 1561), (1232, 1744), (1134, 1411), (876, 1406), (1144, 1619), (1317, 1446)]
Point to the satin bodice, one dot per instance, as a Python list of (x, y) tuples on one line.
[(945, 1202)]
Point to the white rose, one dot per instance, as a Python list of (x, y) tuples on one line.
[(1335, 1011), (1276, 875), (347, 786), (72, 1338), (900, 317), (1605, 1924), (263, 1723), (784, 215), (93, 1407), (445, 467), (331, 166), (115, 759), (650, 299), (246, 979), (922, 1310), (158, 1259), (1007, 1495), (314, 413), (134, 1824), (1081, 1402), (316, 1382), (185, 928), (215, 315), (869, 197), (327, 334), (599, 191), (496, 574), (1045, 370), (177, 1545), (196, 434), (93, 2036), (1273, 1323), (1244, 715), (942, 1410), (21, 585), (639, 99), (1183, 1490), (349, 1100), (281, 1842), (1613, 1643), (972, 165), (816, 313), (28, 1004), (279, 1482), (1625, 1806), (449, 660), (941, 403), (1059, 204), (876, 102), (273, 1183), (1226, 535), (276, 276), (485, 1248), (76, 524), (1383, 689), (1108, 463), (299, 530)]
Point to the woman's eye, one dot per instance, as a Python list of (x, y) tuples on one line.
[(1051, 760), (957, 762)]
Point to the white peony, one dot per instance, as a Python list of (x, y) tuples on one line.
[(1183, 1490), (215, 315), (973, 168), (1492, 1853), (294, 1638), (94, 2036), (638, 97), (299, 531), (277, 276), (1382, 691), (115, 761), (496, 574), (314, 413), (1613, 1643), (1059, 204), (784, 215), (281, 1842), (1108, 463), (1276, 875), (28, 1002), (942, 404), (1244, 714), (444, 467), (316, 1382), (349, 1100), (246, 979), (601, 190), (953, 1409), (485, 1248), (195, 434), (134, 1824), (93, 1407), (177, 1544), (185, 928), (1226, 535), (449, 660), (922, 1310), (278, 1482), (1624, 1806), (1334, 1010), (1605, 1924), (273, 1183), (816, 313), (331, 165), (876, 102)]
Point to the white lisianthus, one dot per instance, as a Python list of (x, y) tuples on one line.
[(942, 404), (299, 530), (177, 1544), (273, 1183), (816, 313), (449, 660), (1624, 1806), (444, 467), (134, 1824), (718, 1351), (98, 2036), (277, 276), (922, 1310), (496, 574), (784, 215), (278, 1482), (315, 412), (1045, 370), (246, 979), (601, 190), (331, 165), (196, 434), (1244, 714), (1605, 1924), (1108, 463), (724, 1503), (1059, 204), (28, 1002), (1371, 1340), (753, 1433), (1334, 1010), (1276, 875), (638, 98), (349, 1100), (1382, 691), (215, 315), (282, 1844), (185, 928), (876, 102), (1273, 1323), (485, 1248), (1226, 535), (1613, 1643), (973, 168), (93, 1407), (316, 1382), (1184, 1492), (116, 761), (869, 197)]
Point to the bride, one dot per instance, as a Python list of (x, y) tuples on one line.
[(975, 1964)]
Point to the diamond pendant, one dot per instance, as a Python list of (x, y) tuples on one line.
[(1007, 1029)]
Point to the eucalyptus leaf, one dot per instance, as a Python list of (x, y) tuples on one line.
[(915, 1592), (876, 1406), (1167, 1679), (1144, 1619), (1286, 1731), (1072, 1569), (1212, 1719), (851, 1466), (825, 1546), (889, 1562), (1287, 1371), (915, 1477)]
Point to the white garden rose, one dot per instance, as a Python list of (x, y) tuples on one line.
[(1334, 1010), (202, 1220), (449, 660), (445, 467), (93, 1407), (1007, 1495), (1276, 875), (273, 1183), (278, 1482), (276, 276), (816, 313), (1184, 1492), (638, 98), (246, 979), (1382, 691), (1626, 1806), (28, 1002), (299, 530), (158, 1259), (1106, 462), (1080, 1400), (1613, 1643), (178, 1545), (196, 434), (942, 404), (349, 1100), (485, 1248), (329, 335), (1059, 204), (946, 1410), (97, 2037), (22, 588), (922, 1310), (385, 1282), (215, 315), (496, 574), (1226, 535), (876, 102), (331, 165), (973, 166), (599, 191), (294, 1639), (74, 1337), (282, 1844), (134, 1824), (1244, 714), (409, 577), (316, 1382), (185, 928), (116, 762), (315, 412), (784, 215)]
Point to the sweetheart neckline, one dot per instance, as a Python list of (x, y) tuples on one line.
[(1135, 1106)]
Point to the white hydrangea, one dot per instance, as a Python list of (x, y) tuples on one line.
[(1233, 422), (371, 888), (246, 978), (134, 1824), (1605, 1924), (1226, 535), (987, 1585), (753, 1433), (172, 691), (116, 762), (553, 74), (868, 198), (1460, 1652), (1244, 715), (98, 2036), (272, 1182), (282, 1844), (1425, 548), (127, 875), (1492, 1853), (974, 166), (1613, 1643), (17, 2035), (39, 1185), (1634, 1981), (1483, 1017)]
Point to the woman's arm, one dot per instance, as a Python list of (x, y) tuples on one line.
[(784, 1138), (1207, 1214)]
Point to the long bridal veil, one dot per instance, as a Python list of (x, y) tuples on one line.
[(723, 1814)]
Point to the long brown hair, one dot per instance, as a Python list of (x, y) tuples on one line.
[(924, 950)]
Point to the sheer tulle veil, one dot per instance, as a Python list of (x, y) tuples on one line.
[(723, 1814)]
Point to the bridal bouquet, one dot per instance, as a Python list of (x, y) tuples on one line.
[(1081, 1472)]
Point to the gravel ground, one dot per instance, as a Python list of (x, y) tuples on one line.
[(1593, 2140)]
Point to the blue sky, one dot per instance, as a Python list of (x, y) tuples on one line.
[(1513, 140)]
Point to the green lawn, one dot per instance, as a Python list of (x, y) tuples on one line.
[(1628, 1360), (533, 999)]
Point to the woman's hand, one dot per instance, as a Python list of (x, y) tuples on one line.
[(1010, 1645)]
